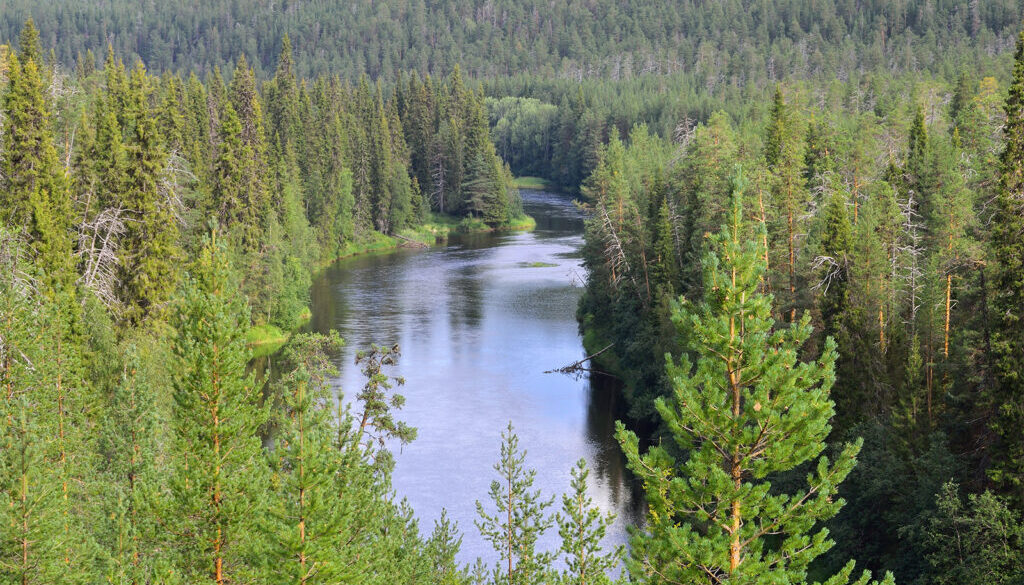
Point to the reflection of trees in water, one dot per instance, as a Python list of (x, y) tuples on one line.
[(322, 300), (553, 212), (465, 298), (605, 405)]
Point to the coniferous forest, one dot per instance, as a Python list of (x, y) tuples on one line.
[(804, 254)]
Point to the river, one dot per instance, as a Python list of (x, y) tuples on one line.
[(479, 320)]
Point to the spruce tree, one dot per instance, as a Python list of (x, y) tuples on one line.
[(1007, 397), (836, 245), (29, 48), (149, 261), (790, 200), (746, 410), (33, 191), (519, 520), (255, 209)]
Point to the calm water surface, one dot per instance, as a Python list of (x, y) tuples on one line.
[(478, 321)]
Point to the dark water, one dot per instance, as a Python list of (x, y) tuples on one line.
[(478, 324)]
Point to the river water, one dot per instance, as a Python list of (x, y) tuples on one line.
[(479, 320)]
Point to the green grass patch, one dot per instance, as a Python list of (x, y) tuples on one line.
[(521, 223), (535, 183), (372, 242), (473, 225), (304, 317), (265, 339), (436, 229), (537, 265)]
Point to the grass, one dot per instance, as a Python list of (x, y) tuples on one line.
[(521, 223), (535, 183), (441, 226), (537, 265), (265, 339), (304, 317), (372, 242)]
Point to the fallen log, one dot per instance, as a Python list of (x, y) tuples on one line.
[(577, 367)]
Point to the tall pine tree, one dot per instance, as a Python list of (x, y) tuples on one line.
[(746, 410), (216, 464)]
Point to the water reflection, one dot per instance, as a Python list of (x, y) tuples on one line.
[(479, 321)]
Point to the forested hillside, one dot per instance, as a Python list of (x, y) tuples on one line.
[(897, 234), (719, 41)]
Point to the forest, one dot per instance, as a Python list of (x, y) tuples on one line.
[(804, 259)]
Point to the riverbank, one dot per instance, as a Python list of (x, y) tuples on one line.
[(266, 339), (535, 184)]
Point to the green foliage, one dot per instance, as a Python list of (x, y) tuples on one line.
[(980, 538), (1007, 396), (582, 527), (33, 193), (441, 548), (377, 422), (320, 503), (745, 411), (149, 264), (519, 518), (32, 535), (131, 450), (214, 462), (790, 37)]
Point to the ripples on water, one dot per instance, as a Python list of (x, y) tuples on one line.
[(477, 328)]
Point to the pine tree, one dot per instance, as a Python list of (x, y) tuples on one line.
[(323, 495), (215, 472), (441, 549), (1007, 397), (582, 528), (129, 450), (377, 422), (746, 410), (32, 538), (519, 519)]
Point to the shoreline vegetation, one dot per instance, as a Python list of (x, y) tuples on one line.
[(266, 339), (535, 184)]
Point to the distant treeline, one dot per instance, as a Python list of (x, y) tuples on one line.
[(717, 41)]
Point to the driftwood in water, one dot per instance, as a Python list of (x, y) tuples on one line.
[(577, 367)]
